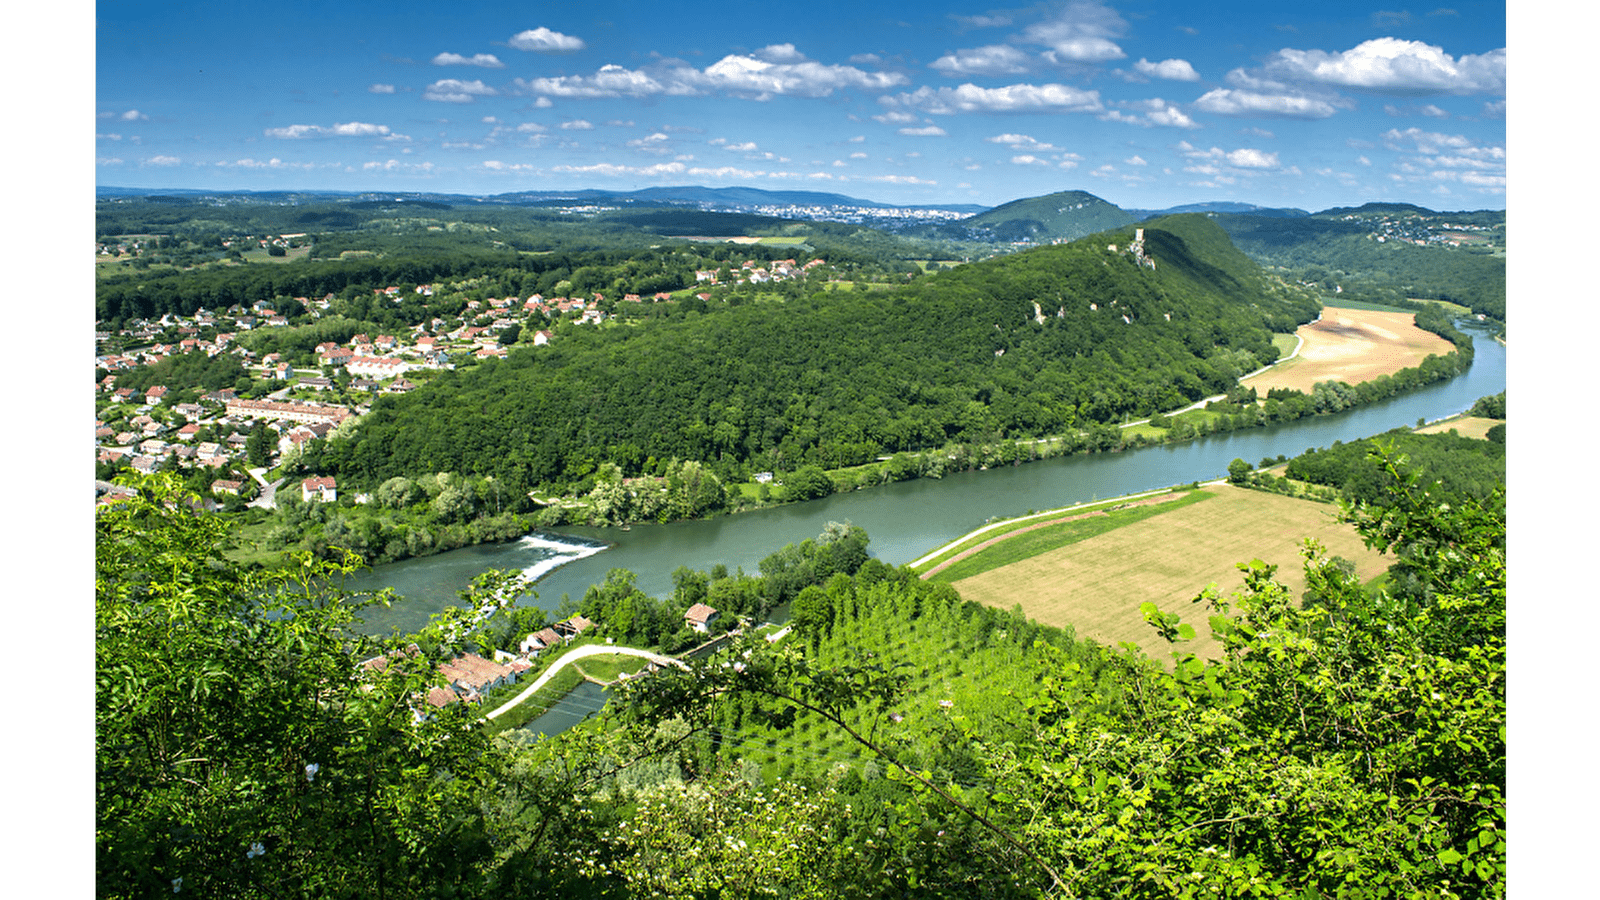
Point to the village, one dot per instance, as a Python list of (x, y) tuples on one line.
[(225, 441)]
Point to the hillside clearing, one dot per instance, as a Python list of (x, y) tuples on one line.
[(1096, 585), (1352, 345)]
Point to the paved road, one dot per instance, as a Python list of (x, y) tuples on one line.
[(580, 653), (268, 498)]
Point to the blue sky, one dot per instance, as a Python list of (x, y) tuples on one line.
[(1147, 104)]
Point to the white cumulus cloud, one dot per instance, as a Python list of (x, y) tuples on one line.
[(996, 59), (969, 98), (776, 70), (1232, 102), (1153, 112), (338, 129), (780, 70), (1021, 143), (1171, 69), (543, 40), (609, 81), (1212, 161), (454, 90), (1394, 66), (1081, 33), (484, 60)]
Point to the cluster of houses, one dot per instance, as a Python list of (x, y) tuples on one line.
[(752, 272), (469, 677)]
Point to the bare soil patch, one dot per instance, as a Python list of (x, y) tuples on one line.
[(1096, 585), (1352, 345)]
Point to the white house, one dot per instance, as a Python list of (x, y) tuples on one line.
[(700, 617), (317, 488)]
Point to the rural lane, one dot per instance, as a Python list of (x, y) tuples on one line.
[(580, 653)]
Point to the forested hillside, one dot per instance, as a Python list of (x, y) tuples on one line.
[(1035, 343), (1067, 215), (1348, 249)]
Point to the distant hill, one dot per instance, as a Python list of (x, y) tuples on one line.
[(1410, 209), (739, 198), (1066, 215), (1222, 206)]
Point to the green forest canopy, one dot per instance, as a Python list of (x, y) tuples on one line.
[(1025, 345)]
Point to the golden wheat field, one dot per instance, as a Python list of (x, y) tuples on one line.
[(1096, 585), (1351, 345)]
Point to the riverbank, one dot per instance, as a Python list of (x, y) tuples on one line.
[(1218, 415)]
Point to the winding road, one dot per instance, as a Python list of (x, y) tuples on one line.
[(575, 655)]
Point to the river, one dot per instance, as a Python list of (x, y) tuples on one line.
[(904, 520)]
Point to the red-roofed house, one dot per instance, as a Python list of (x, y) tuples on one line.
[(571, 628), (700, 617), (539, 641), (317, 488), (472, 676)]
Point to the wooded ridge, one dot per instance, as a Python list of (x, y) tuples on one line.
[(1025, 345)]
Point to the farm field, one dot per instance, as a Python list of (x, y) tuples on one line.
[(1096, 585), (1351, 345), (1466, 426)]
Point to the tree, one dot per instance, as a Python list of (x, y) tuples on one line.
[(1238, 470), (240, 751), (259, 446), (808, 483)]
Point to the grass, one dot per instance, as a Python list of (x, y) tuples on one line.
[(1455, 309), (260, 255), (1023, 543), (1466, 426), (533, 707), (609, 667), (961, 545)]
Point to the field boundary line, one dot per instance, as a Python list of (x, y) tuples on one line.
[(1006, 523)]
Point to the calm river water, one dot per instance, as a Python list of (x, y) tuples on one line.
[(904, 520)]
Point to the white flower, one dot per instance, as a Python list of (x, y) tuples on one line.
[(177, 885), (256, 849), (311, 770)]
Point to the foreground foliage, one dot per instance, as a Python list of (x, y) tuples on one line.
[(900, 743)]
